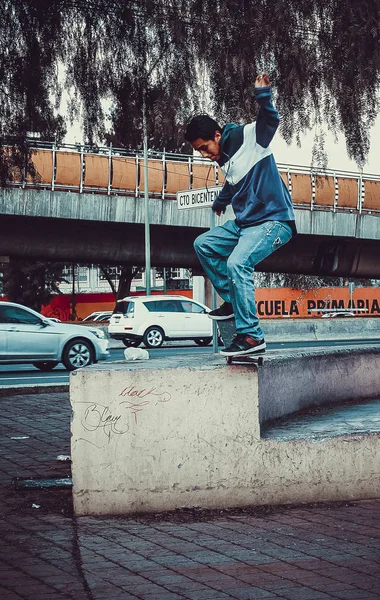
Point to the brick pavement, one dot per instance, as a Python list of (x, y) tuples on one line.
[(318, 552)]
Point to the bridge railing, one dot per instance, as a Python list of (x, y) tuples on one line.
[(332, 189), (110, 170)]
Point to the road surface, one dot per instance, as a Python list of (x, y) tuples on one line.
[(15, 375)]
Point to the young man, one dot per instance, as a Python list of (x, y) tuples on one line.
[(263, 210)]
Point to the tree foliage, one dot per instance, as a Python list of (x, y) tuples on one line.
[(31, 283), (123, 286), (323, 57), (306, 282)]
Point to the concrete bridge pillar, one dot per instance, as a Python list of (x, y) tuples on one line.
[(199, 288)]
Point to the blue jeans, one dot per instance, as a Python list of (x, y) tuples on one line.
[(229, 254)]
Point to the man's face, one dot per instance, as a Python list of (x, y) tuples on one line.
[(209, 148)]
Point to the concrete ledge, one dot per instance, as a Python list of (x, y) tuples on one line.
[(163, 434), (292, 381), (351, 328)]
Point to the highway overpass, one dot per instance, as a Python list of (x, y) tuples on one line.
[(87, 206)]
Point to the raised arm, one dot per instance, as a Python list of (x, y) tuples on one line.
[(268, 119)]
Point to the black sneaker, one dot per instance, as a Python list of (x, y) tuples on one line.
[(243, 344), (222, 313)]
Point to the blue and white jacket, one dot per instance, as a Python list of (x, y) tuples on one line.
[(253, 184)]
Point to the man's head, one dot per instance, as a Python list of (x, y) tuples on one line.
[(204, 134)]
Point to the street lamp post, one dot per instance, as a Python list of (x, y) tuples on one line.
[(215, 337), (146, 202)]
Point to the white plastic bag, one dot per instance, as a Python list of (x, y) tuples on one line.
[(136, 354)]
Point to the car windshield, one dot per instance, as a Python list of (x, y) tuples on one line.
[(124, 307), (90, 317)]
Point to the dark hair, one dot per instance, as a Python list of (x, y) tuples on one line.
[(201, 126)]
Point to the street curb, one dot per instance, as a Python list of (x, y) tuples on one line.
[(15, 390)]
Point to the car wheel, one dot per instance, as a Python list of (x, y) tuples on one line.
[(45, 366), (77, 353), (153, 337), (131, 343), (203, 341)]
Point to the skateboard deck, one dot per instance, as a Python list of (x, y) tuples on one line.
[(248, 359), (227, 331)]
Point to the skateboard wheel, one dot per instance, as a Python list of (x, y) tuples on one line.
[(229, 360)]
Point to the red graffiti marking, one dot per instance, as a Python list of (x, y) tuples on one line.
[(136, 407)]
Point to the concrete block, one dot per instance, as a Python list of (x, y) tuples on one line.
[(351, 328), (164, 434), (146, 436), (295, 381)]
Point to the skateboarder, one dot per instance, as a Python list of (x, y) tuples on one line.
[(263, 209)]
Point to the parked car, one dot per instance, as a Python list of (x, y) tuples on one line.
[(154, 319), (102, 315), (28, 337), (104, 318), (339, 315)]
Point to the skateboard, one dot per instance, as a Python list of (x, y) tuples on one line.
[(227, 330), (253, 359)]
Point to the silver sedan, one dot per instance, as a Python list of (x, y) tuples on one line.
[(28, 337)]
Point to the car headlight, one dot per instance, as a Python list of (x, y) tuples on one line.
[(98, 332)]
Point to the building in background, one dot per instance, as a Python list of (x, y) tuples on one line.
[(90, 279)]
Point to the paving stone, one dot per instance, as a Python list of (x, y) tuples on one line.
[(355, 595), (253, 593), (7, 594), (320, 552), (306, 594), (165, 595), (205, 595)]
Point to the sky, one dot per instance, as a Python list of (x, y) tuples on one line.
[(336, 150)]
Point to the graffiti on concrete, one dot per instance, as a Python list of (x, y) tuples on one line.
[(113, 421), (137, 399), (97, 416)]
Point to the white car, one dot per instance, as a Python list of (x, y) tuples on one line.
[(339, 315), (98, 316), (28, 337), (154, 319)]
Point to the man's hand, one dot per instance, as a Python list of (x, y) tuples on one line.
[(262, 81), (219, 212)]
